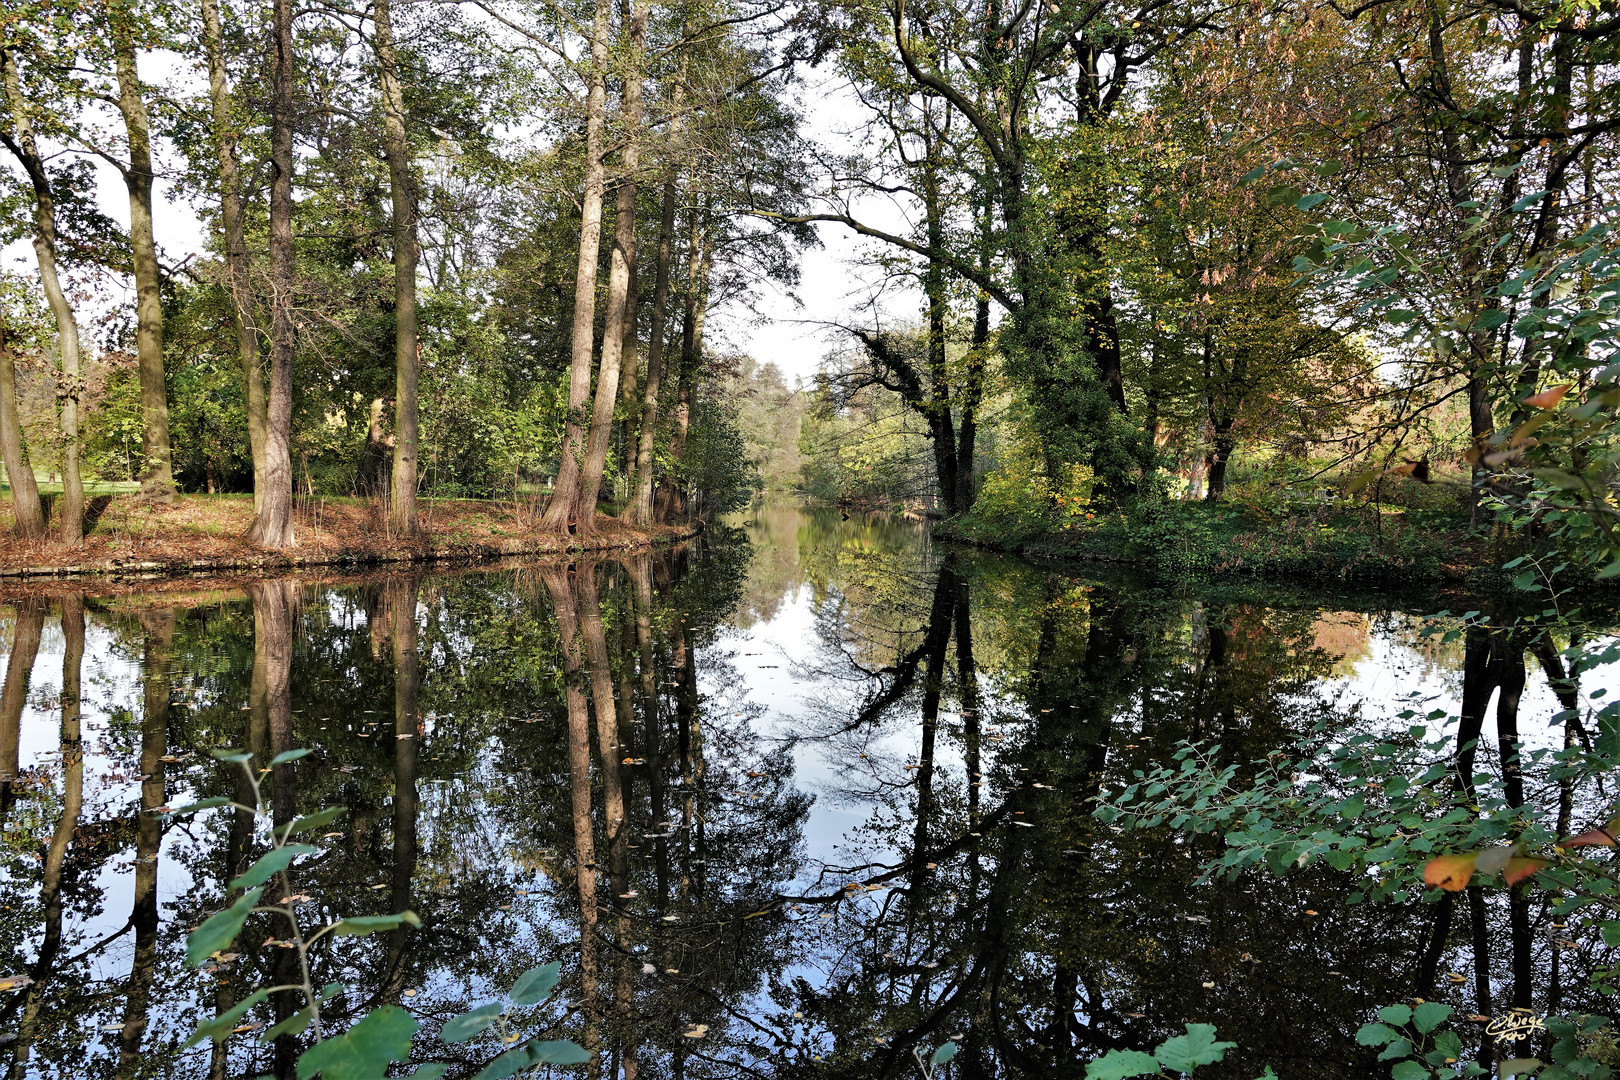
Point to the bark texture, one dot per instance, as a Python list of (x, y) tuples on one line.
[(157, 482), (273, 517)]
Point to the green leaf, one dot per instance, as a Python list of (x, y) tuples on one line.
[(471, 1022), (1528, 201), (534, 1052), (293, 1025), (365, 1051), (1611, 933), (1410, 1070), (315, 820), (1400, 1048), (1311, 200), (1120, 1064), (270, 864), (290, 755), (1198, 1047), (361, 925), (220, 929), (204, 804), (1376, 1034), (536, 984), (1430, 1015), (427, 1072), (1396, 1015), (235, 757), (943, 1054), (1449, 1043), (219, 1028)]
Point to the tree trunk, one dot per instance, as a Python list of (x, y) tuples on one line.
[(28, 516), (273, 518), (640, 510), (402, 186), (700, 258), (1219, 454), (71, 515), (564, 507), (620, 282), (157, 483), (939, 385), (566, 606), (407, 735), (236, 255)]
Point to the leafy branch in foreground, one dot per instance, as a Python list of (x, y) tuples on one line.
[(368, 1049)]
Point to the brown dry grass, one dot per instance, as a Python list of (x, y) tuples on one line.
[(205, 531)]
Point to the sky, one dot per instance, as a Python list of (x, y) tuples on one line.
[(784, 329)]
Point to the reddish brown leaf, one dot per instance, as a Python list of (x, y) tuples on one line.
[(1548, 398), (1451, 872), (1519, 868)]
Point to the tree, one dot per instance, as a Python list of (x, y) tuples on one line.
[(273, 515), (157, 485), (25, 148), (402, 188)]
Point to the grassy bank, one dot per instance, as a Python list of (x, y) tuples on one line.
[(1368, 544), (204, 533)]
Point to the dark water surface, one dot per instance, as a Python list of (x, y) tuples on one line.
[(813, 795)]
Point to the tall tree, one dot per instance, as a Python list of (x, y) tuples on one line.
[(273, 518), (25, 148), (620, 321), (402, 190), (563, 514), (236, 254), (157, 483)]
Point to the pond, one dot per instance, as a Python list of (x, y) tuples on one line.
[(805, 797)]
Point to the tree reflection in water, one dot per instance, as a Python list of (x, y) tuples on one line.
[(590, 762)]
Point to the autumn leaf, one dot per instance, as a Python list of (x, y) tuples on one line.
[(1548, 398), (1450, 872), (1523, 866), (1603, 837)]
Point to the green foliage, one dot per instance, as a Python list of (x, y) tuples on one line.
[(369, 1048), (1181, 1054)]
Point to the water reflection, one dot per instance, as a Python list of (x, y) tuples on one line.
[(802, 802)]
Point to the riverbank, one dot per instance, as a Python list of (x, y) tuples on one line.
[(203, 534), (1326, 544)]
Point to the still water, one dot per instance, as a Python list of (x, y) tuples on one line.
[(799, 799)]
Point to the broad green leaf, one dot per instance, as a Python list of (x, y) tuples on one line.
[(290, 755), (559, 1052), (220, 1026), (270, 864), (536, 984), (361, 925), (204, 804), (471, 1022), (315, 820), (365, 1051), (1430, 1015), (1198, 1047), (1400, 1048), (1449, 1043), (1410, 1070), (427, 1072), (235, 757), (293, 1025), (534, 1052), (943, 1054), (1396, 1015), (219, 929), (1121, 1064), (1310, 201)]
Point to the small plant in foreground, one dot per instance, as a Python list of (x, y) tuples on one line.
[(368, 1049)]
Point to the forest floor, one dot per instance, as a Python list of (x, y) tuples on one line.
[(204, 533), (1377, 545)]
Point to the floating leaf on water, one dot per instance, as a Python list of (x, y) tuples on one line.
[(697, 1031)]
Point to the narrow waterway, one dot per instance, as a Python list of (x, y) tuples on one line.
[(799, 798)]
